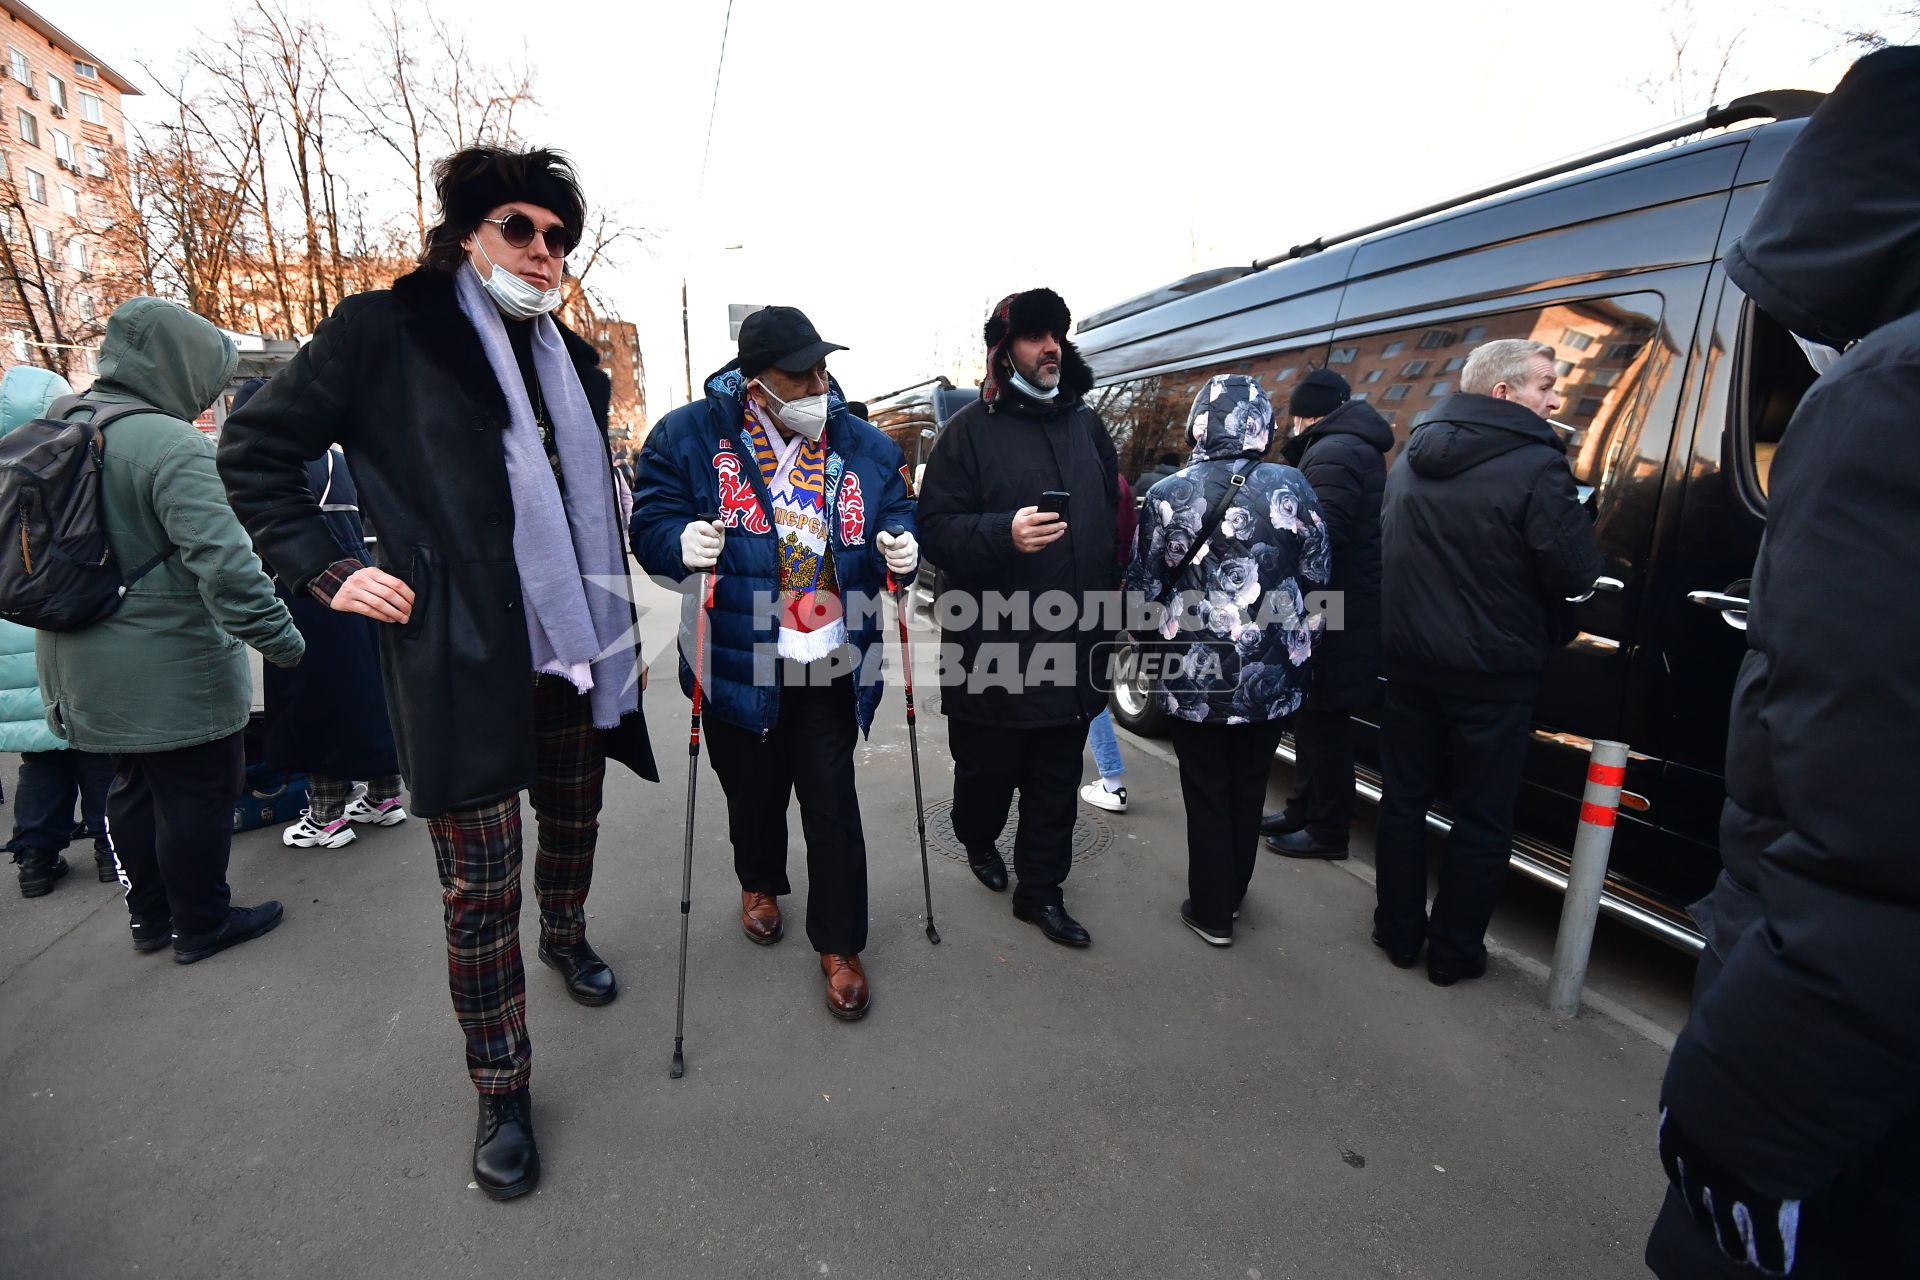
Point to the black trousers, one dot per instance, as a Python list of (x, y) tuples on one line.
[(43, 803), (170, 820), (991, 762), (1474, 751), (810, 751), (1323, 774), (1224, 770)]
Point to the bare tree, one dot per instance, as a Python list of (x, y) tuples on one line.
[(1689, 78)]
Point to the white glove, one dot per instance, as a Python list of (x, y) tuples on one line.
[(902, 553), (700, 544)]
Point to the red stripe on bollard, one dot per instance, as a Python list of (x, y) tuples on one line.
[(1597, 815), (1606, 775)]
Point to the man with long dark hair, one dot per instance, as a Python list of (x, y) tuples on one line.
[(476, 428)]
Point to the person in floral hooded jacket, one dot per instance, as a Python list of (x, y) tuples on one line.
[(1236, 637)]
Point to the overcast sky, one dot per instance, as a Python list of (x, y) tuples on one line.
[(893, 168)]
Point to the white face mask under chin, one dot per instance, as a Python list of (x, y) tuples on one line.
[(516, 299), (1821, 356), (1027, 389), (806, 416)]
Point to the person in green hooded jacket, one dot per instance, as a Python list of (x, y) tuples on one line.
[(162, 683)]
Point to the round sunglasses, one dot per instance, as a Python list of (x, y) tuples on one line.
[(517, 229)]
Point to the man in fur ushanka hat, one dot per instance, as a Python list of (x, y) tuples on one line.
[(1021, 498)]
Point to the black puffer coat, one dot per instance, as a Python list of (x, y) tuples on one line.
[(1344, 458), (1483, 539), (399, 379), (991, 460), (1800, 1068)]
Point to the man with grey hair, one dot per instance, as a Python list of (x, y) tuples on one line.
[(1484, 542)]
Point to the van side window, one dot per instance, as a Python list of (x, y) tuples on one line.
[(1774, 376)]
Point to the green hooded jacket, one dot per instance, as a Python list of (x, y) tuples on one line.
[(168, 669)]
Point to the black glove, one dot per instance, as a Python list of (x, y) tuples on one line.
[(1758, 1230)]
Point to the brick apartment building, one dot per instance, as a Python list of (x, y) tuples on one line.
[(67, 228)]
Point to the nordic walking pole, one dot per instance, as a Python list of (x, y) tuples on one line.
[(693, 776), (913, 744)]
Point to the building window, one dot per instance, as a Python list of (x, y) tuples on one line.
[(86, 70), (1440, 389), (1455, 365), (43, 243), (1414, 368), (1576, 339), (63, 148), (77, 254), (29, 129), (1588, 406), (1284, 374), (1604, 377), (96, 162), (1343, 355), (57, 91), (1623, 351), (70, 201), (1358, 395), (1374, 375), (1438, 338), (1561, 368), (19, 346), (36, 187), (17, 67), (92, 109), (1392, 349), (1398, 391), (86, 305), (1474, 334)]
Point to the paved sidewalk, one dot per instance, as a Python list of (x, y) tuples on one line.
[(1291, 1107)]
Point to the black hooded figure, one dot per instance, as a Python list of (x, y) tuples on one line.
[(1018, 706), (1790, 1115)]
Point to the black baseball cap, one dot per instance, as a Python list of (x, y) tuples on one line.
[(782, 338)]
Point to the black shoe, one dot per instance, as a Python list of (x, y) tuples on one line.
[(989, 868), (150, 933), (1055, 923), (589, 981), (1447, 975), (104, 864), (38, 871), (243, 924), (1283, 823), (1401, 959), (1212, 937), (1298, 844), (506, 1163)]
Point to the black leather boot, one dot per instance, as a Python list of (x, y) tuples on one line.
[(506, 1163), (589, 980)]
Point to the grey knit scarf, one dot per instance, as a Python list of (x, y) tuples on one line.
[(570, 554)]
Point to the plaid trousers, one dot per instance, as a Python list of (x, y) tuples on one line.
[(478, 855)]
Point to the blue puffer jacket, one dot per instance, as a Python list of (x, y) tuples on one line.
[(25, 394), (697, 460)]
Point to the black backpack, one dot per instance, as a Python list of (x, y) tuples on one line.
[(57, 571)]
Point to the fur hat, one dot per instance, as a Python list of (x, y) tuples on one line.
[(1020, 314)]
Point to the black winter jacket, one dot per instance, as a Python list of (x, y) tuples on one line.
[(1483, 538), (1344, 458), (398, 377), (1800, 1068), (990, 461)]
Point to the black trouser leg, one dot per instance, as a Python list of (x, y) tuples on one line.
[(1223, 783), (818, 725), (130, 830), (175, 808), (1413, 766), (1249, 765), (1323, 772), (755, 774), (986, 768), (1487, 742), (43, 803), (1049, 802), (93, 771)]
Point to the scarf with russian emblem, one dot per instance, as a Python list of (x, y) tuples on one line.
[(798, 472)]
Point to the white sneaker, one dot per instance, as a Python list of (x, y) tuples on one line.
[(1096, 794), (388, 813), (307, 834)]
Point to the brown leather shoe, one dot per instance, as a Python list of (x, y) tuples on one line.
[(760, 917), (847, 994)]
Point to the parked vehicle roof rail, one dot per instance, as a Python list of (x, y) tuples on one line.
[(940, 381), (1771, 104), (1195, 283)]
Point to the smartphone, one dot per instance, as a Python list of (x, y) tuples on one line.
[(1054, 501)]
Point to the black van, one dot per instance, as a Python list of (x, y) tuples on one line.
[(1676, 388)]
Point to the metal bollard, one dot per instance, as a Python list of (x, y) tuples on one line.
[(1581, 911)]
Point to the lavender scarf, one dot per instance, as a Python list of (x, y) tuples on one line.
[(580, 631)]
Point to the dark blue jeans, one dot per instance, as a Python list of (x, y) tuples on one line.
[(43, 800)]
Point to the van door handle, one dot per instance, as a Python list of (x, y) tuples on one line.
[(1599, 584), (1733, 609)]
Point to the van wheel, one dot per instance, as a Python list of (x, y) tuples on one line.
[(1136, 707)]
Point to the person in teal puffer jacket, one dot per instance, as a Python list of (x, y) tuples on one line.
[(50, 772)]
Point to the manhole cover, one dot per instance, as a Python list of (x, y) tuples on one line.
[(1091, 835)]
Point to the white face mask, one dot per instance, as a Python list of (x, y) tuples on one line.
[(1819, 355), (806, 416), (516, 299)]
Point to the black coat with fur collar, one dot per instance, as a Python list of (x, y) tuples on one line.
[(399, 379)]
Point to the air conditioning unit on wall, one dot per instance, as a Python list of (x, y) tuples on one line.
[(59, 112), (33, 93)]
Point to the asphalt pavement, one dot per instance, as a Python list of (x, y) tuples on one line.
[(1293, 1106)]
